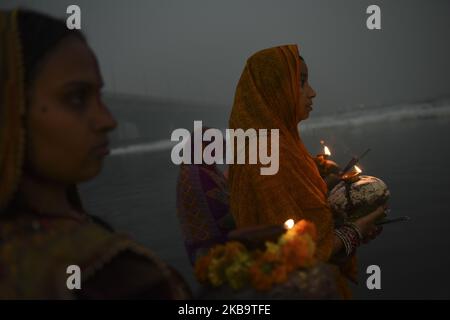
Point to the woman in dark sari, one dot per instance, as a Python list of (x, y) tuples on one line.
[(53, 135)]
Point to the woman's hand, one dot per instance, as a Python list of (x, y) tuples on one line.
[(367, 225), (373, 234), (257, 236)]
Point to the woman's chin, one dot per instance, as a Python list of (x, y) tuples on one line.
[(304, 117), (90, 172)]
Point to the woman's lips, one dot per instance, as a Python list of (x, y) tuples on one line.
[(102, 150)]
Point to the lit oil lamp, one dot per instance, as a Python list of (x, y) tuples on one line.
[(325, 165), (323, 157), (326, 152), (289, 224), (352, 176)]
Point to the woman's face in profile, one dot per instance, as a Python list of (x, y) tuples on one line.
[(67, 122), (307, 93)]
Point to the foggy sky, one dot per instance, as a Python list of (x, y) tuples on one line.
[(195, 50)]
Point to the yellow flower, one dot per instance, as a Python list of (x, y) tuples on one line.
[(216, 273), (272, 247), (237, 275)]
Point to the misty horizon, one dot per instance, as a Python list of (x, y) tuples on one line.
[(195, 52)]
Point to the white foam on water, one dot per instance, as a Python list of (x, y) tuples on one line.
[(154, 146), (352, 118), (390, 114)]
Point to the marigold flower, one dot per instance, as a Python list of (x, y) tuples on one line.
[(234, 265), (280, 274), (304, 226), (259, 278), (201, 268)]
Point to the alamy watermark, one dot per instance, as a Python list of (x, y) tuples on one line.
[(73, 21), (373, 22), (373, 282), (74, 279), (213, 152)]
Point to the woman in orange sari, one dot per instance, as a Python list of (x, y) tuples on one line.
[(273, 93)]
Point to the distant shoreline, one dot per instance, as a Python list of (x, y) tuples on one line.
[(425, 110), (408, 111)]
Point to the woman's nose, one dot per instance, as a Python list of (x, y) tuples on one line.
[(105, 121), (312, 93)]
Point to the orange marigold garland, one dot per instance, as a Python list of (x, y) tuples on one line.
[(234, 265)]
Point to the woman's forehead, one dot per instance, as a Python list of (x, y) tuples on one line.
[(72, 60), (303, 67)]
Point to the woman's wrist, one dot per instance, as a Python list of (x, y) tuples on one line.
[(355, 227), (350, 236)]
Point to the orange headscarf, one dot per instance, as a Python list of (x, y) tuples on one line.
[(268, 97)]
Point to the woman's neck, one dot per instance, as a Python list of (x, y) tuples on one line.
[(46, 198)]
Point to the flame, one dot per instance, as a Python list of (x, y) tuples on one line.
[(357, 169), (289, 224), (326, 151)]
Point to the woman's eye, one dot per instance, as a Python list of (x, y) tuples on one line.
[(302, 81), (77, 98)]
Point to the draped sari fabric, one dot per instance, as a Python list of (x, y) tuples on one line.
[(202, 207), (12, 107)]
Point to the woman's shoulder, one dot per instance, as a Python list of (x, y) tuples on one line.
[(35, 255), (130, 275)]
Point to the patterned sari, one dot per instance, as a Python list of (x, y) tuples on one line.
[(203, 207), (35, 253)]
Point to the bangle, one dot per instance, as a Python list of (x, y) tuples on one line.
[(349, 237), (344, 240), (355, 228)]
